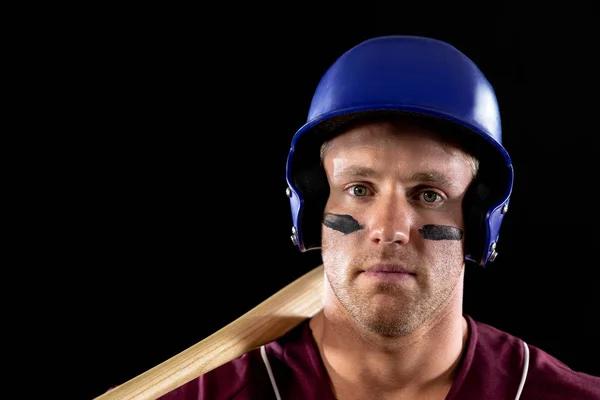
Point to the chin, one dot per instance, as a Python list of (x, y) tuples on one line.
[(385, 318), (388, 326)]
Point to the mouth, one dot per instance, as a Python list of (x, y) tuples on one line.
[(389, 272)]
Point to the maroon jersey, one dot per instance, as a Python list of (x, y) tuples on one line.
[(495, 366)]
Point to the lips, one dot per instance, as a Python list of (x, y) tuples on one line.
[(389, 268)]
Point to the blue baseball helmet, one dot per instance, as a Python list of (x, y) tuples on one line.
[(412, 75)]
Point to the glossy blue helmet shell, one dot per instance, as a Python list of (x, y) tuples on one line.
[(408, 74)]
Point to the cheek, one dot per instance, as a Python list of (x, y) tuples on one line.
[(446, 255), (336, 246), (445, 242)]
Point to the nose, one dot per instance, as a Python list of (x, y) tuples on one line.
[(390, 220)]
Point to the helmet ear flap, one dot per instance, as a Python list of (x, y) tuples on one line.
[(314, 188), (475, 207)]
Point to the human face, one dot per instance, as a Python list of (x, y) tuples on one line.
[(392, 234)]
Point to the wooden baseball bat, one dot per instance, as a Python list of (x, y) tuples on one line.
[(270, 319)]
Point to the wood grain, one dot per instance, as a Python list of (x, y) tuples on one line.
[(270, 319)]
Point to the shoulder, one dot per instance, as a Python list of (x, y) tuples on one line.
[(543, 376), (232, 380), (245, 377), (550, 378)]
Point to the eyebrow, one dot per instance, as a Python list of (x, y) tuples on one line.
[(357, 171), (433, 177)]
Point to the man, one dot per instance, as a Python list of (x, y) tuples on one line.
[(399, 177)]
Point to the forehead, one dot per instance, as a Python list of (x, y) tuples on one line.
[(403, 143)]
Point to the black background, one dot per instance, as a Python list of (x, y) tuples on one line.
[(171, 194)]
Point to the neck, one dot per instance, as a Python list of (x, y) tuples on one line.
[(407, 366)]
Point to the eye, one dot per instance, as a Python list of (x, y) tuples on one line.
[(359, 190), (430, 196)]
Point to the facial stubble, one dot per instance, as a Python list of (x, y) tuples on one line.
[(393, 309)]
